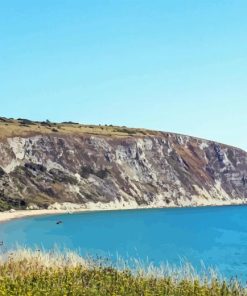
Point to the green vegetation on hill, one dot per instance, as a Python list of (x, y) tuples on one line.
[(26, 127), (25, 273)]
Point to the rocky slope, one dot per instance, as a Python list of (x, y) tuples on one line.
[(43, 163)]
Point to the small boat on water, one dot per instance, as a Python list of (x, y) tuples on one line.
[(59, 222)]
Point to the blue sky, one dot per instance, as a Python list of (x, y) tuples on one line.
[(171, 65)]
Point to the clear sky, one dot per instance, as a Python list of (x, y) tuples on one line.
[(172, 65)]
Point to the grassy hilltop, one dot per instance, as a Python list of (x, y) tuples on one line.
[(25, 127)]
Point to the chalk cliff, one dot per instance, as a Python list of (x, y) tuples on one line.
[(44, 163)]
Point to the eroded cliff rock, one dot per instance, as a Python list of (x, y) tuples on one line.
[(160, 169)]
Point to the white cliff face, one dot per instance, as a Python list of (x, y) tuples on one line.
[(148, 171)]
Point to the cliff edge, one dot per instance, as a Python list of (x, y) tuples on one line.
[(43, 163)]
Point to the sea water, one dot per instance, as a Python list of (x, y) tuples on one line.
[(216, 236)]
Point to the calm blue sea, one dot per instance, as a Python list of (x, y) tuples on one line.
[(216, 235)]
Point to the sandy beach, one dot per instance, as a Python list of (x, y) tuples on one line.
[(6, 216), (70, 208), (66, 208)]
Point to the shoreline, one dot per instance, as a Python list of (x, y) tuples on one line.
[(19, 214)]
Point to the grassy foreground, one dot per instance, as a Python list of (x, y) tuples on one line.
[(39, 273)]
